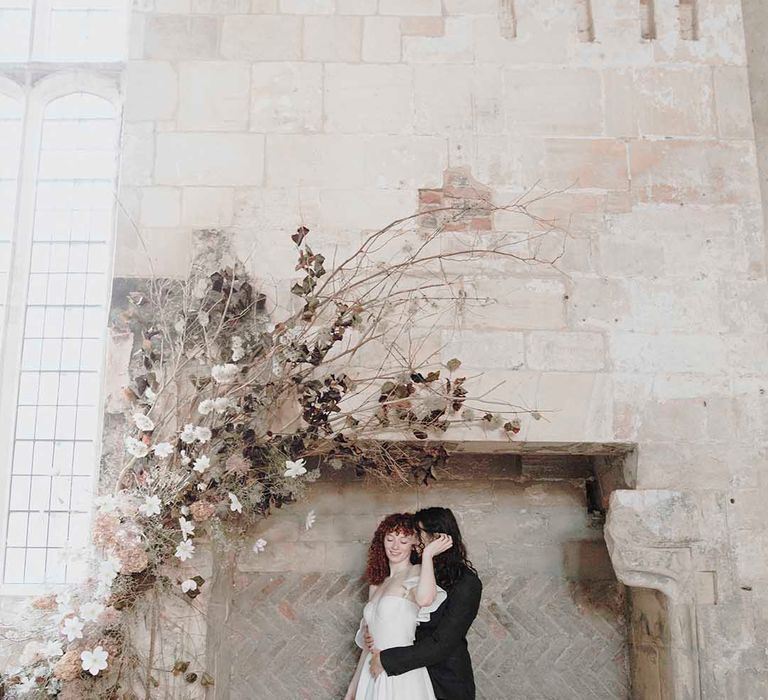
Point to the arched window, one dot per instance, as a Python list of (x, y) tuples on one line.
[(11, 112), (63, 30), (15, 28), (58, 407)]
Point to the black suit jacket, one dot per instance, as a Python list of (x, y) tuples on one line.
[(441, 643)]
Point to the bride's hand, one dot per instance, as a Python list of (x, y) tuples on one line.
[(441, 543)]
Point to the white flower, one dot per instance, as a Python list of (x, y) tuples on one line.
[(310, 520), (106, 503), (150, 395), (294, 469), (185, 458), (203, 318), (151, 506), (238, 352), (202, 433), (202, 463), (189, 585), (201, 288), (205, 407), (224, 374), (136, 448), (108, 570), (30, 653), (94, 661), (143, 422), (184, 510), (64, 603), (185, 550), (188, 434), (259, 545), (187, 527), (222, 404), (72, 628), (27, 685), (163, 450), (234, 503), (51, 648), (90, 611)]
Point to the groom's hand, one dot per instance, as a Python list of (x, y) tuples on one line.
[(368, 638), (376, 667)]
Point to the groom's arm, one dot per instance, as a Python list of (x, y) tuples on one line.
[(463, 604)]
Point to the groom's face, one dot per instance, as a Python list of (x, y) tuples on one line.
[(424, 537)]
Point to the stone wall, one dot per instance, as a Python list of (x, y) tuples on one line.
[(256, 115)]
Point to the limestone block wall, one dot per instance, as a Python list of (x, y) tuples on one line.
[(256, 115)]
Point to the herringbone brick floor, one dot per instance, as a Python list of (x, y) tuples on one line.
[(289, 637)]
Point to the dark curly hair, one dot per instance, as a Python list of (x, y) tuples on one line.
[(378, 564), (452, 564)]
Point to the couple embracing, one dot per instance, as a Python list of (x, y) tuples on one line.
[(423, 596)]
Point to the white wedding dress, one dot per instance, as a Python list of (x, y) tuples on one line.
[(392, 621)]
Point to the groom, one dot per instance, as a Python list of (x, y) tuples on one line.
[(441, 643)]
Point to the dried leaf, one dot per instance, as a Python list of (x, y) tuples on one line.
[(300, 235), (180, 667), (513, 426), (453, 364), (206, 679)]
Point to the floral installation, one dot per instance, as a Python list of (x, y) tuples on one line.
[(232, 414)]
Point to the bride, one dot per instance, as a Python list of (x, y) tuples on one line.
[(401, 594)]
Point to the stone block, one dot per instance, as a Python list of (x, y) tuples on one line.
[(675, 101), (455, 45), (569, 351), (356, 210), (178, 37), (151, 90), (410, 7), (355, 498), (620, 96), (585, 163), (734, 111), (213, 96), (515, 304), (322, 161), (459, 496), (137, 153), (679, 352), (307, 7), (489, 351), (207, 207), (675, 418), (261, 37), (596, 302), (286, 97), (356, 7), (658, 306), (381, 40), (406, 162), (368, 99), (332, 39), (423, 26), (222, 7), (542, 39), (527, 559), (209, 159), (693, 172), (160, 206), (471, 103), (565, 101)]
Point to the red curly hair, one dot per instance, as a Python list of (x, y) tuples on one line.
[(378, 564)]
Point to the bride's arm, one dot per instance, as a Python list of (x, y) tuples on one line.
[(427, 587), (352, 689)]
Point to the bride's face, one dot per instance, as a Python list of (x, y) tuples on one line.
[(398, 546)]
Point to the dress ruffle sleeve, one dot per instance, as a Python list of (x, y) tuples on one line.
[(425, 612), (359, 639)]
